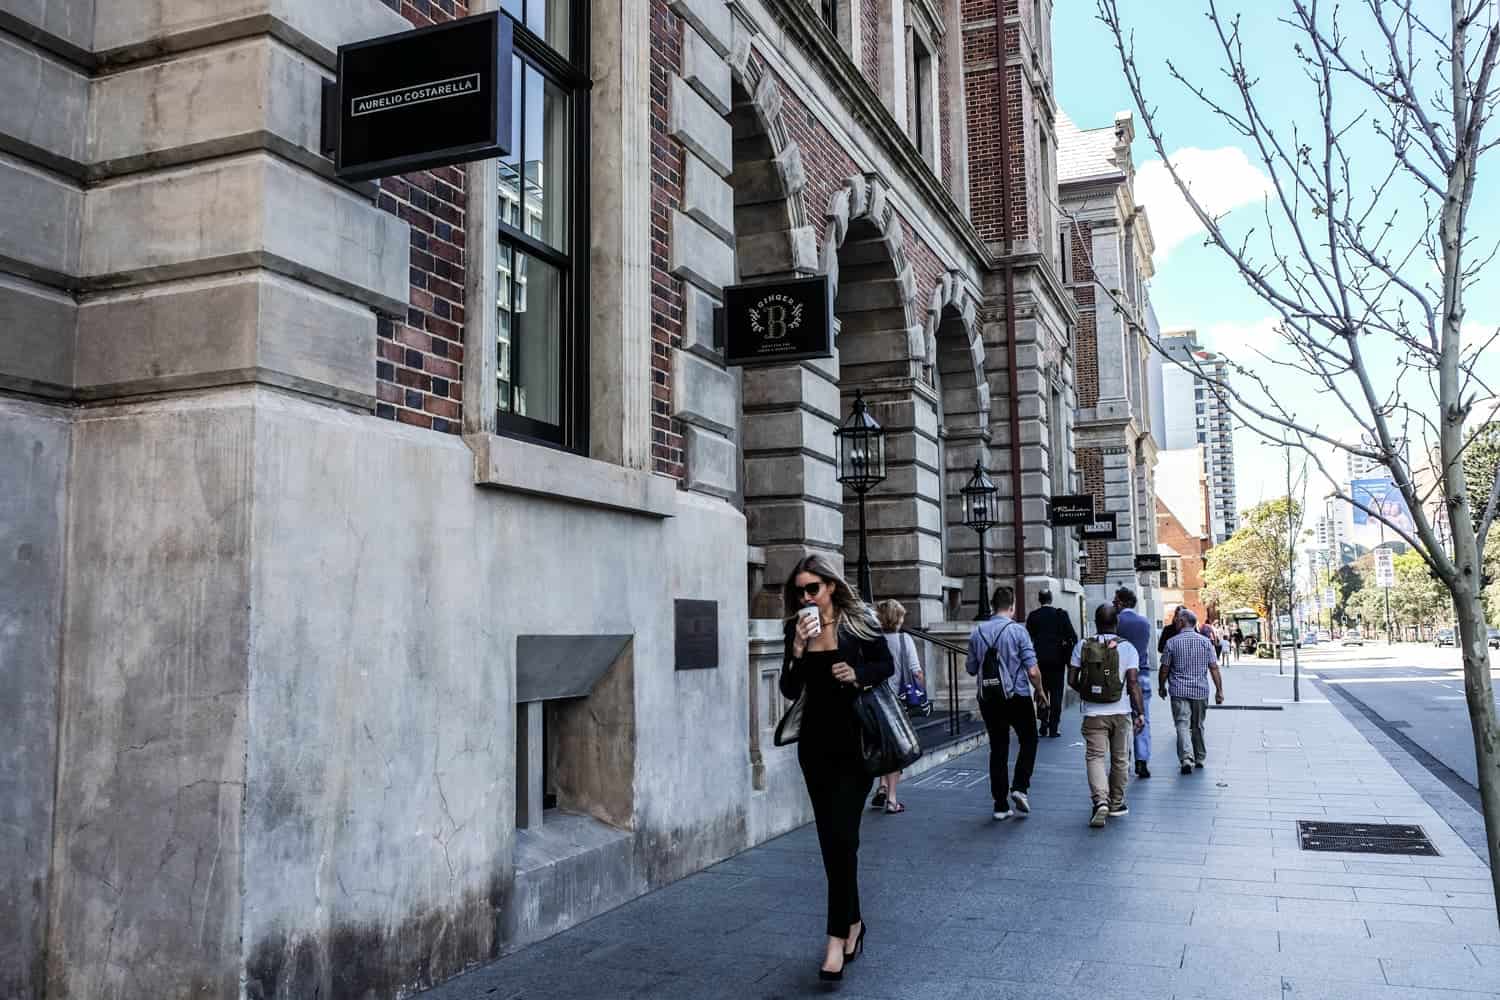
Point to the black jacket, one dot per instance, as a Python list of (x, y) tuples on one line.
[(1053, 635), (870, 658)]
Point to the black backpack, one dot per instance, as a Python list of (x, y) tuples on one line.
[(991, 680)]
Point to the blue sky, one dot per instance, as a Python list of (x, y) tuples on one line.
[(1194, 286)]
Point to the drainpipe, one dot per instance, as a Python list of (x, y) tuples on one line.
[(1008, 270)]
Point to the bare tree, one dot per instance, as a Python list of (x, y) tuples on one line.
[(1366, 262)]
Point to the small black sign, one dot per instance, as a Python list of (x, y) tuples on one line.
[(697, 634), (774, 322), (1148, 563), (1071, 510), (1101, 528), (423, 98)]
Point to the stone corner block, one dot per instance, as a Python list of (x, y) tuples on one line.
[(699, 256), (693, 122), (706, 71), (703, 394), (711, 18), (699, 324), (707, 198), (712, 463)]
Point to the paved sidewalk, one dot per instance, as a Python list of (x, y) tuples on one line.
[(1201, 892)]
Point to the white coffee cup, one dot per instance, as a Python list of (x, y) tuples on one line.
[(811, 614)]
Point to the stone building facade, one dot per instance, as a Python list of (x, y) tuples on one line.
[(340, 582), (1111, 250)]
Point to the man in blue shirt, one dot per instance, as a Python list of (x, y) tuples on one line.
[(1136, 630), (1007, 703)]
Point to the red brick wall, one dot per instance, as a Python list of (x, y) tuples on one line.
[(1170, 532), (945, 137), (1086, 348), (926, 267), (986, 194), (666, 290), (419, 364), (869, 14), (1091, 468)]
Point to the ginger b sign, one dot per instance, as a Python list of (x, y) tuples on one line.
[(425, 98), (775, 322)]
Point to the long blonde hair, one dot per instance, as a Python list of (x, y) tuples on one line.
[(850, 612)]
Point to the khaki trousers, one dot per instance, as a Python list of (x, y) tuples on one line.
[(1107, 737)]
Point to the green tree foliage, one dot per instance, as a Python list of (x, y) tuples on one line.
[(1249, 569), (1417, 598)]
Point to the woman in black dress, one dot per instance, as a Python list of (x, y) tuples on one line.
[(833, 655)]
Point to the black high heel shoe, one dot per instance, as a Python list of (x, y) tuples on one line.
[(832, 977), (859, 945)]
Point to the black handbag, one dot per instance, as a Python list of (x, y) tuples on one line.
[(789, 729), (887, 741)]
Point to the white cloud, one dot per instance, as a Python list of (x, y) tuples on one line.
[(1221, 180)]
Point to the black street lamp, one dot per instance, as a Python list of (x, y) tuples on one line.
[(861, 467), (981, 512)]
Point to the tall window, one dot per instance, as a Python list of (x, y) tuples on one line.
[(921, 98), (541, 369), (830, 11)]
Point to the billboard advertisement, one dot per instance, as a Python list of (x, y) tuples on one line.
[(1380, 495)]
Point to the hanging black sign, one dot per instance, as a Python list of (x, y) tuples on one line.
[(697, 639), (1148, 563), (773, 322), (1074, 509), (420, 99), (1101, 528)]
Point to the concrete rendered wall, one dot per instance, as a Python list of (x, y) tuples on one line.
[(33, 505)]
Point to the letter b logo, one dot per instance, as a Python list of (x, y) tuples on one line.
[(776, 328)]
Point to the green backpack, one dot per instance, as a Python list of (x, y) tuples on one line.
[(1099, 679)]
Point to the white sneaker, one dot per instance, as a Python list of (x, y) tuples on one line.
[(1002, 814), (1120, 810), (1022, 805), (1100, 817)]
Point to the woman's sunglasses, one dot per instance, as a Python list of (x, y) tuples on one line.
[(811, 589)]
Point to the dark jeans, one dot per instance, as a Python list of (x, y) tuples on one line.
[(838, 790), (1000, 717), (1053, 678)]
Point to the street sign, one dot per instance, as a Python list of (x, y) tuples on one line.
[(418, 99), (1070, 510), (1385, 569), (1148, 563), (1101, 528), (1329, 598), (774, 322)]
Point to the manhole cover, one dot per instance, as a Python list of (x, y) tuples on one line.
[(1365, 838)]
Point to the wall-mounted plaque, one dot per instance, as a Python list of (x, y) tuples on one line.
[(419, 99), (1102, 528), (1073, 509), (1148, 563), (697, 644), (774, 322)]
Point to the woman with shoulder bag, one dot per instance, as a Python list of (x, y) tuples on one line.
[(892, 615), (833, 650)]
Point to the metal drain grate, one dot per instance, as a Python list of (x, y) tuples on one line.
[(1365, 838), (1247, 708)]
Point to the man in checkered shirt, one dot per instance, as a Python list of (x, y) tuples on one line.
[(1186, 666)]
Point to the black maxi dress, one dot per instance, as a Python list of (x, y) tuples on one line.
[(829, 753)]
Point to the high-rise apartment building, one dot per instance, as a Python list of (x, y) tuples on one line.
[(1197, 415)]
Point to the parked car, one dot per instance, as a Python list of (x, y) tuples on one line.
[(1494, 637), (1444, 637), (1352, 638), (1310, 639)]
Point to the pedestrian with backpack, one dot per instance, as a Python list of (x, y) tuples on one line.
[(1002, 657), (1106, 674)]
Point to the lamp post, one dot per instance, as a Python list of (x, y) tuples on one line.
[(981, 512), (861, 444)]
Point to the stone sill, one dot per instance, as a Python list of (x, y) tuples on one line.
[(533, 469)]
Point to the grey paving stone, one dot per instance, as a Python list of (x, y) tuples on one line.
[(1439, 974), (1461, 933), (1361, 910), (1232, 964), (1355, 879), (1291, 890), (1486, 954), (1465, 900), (1303, 988), (1181, 982)]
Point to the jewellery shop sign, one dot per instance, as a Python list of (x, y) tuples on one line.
[(418, 99), (776, 322)]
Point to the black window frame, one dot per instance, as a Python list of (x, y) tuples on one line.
[(828, 13), (568, 72)]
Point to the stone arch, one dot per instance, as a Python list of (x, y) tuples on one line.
[(955, 356)]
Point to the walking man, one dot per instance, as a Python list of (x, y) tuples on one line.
[(1136, 630), (1186, 666), (1053, 636), (1105, 674), (1002, 657)]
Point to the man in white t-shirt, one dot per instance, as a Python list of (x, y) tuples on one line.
[(1108, 725)]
